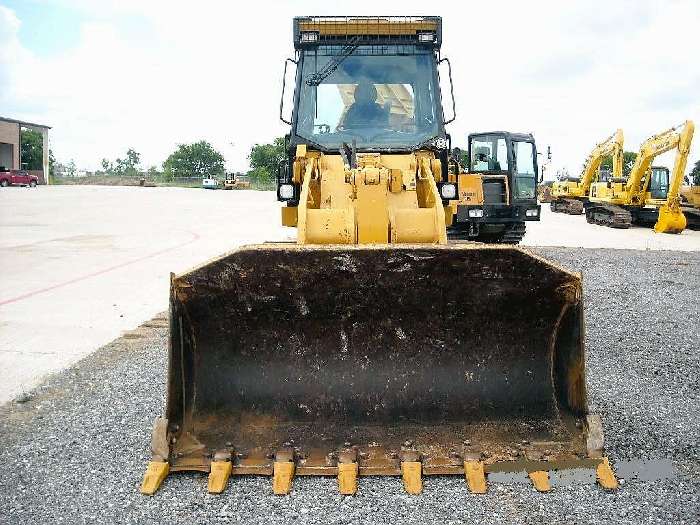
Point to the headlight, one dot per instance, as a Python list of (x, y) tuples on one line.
[(286, 191), (426, 37), (448, 191), (309, 36), (476, 212), (532, 213)]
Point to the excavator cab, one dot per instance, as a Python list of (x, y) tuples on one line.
[(371, 346), (658, 183)]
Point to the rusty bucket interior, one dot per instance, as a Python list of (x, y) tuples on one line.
[(443, 351)]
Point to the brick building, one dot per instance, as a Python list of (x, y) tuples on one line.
[(10, 150)]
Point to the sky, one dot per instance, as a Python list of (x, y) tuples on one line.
[(109, 75)]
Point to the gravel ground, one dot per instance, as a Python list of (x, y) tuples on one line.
[(74, 450)]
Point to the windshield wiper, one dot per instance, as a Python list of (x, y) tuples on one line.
[(333, 63)]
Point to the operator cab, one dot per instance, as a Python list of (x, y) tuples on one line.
[(658, 184), (511, 154), (378, 92)]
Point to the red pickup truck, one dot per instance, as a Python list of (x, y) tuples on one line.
[(18, 178)]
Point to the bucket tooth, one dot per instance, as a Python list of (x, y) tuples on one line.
[(347, 478), (283, 474), (283, 471), (605, 475), (476, 479), (540, 480), (218, 476), (411, 473), (156, 472), (348, 470)]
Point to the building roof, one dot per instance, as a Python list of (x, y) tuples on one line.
[(23, 123)]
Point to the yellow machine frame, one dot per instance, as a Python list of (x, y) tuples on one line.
[(386, 199)]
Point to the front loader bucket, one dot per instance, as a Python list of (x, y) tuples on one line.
[(379, 356)]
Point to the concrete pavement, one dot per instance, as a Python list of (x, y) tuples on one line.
[(560, 229), (82, 264)]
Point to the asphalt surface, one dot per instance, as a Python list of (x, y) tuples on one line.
[(74, 449)]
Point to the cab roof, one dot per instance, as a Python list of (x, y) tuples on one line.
[(310, 31)]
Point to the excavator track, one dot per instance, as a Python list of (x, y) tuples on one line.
[(570, 206), (609, 215), (513, 235)]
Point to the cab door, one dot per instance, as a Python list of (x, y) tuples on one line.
[(525, 171), (658, 185)]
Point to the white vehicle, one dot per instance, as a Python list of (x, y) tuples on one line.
[(210, 184)]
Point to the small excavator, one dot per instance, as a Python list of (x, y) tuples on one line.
[(618, 203), (371, 346), (570, 195)]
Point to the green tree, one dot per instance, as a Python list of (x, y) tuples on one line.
[(106, 166), (265, 160), (70, 168), (127, 167), (132, 158), (198, 159), (32, 146), (695, 173), (628, 161)]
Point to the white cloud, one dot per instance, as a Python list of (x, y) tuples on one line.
[(569, 74)]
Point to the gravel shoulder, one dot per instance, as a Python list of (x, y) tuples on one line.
[(74, 449)]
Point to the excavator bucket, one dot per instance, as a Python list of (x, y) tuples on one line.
[(376, 360), (671, 220)]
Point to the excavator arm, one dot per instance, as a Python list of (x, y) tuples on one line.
[(652, 148), (613, 145)]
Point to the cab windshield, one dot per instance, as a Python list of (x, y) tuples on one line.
[(386, 100)]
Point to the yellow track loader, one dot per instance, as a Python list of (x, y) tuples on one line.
[(371, 347), (647, 195), (570, 195)]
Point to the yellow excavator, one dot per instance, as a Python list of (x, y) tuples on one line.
[(647, 195), (371, 346), (569, 195)]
